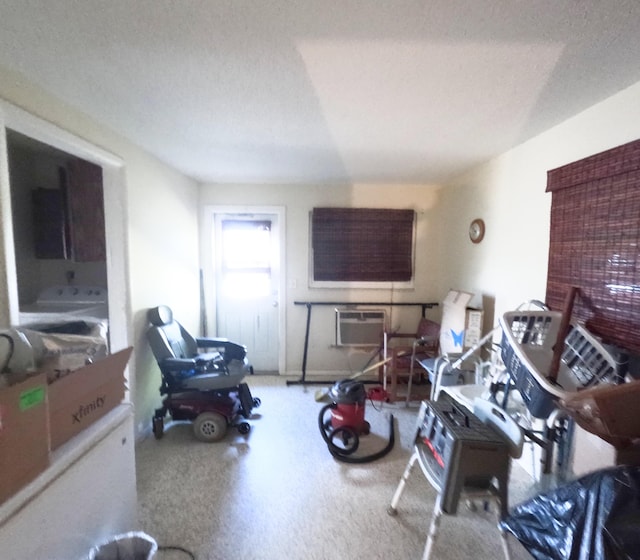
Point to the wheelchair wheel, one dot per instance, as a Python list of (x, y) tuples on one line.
[(256, 402), (158, 427), (244, 428), (210, 426)]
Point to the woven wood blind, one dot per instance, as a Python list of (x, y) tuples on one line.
[(362, 244), (595, 242)]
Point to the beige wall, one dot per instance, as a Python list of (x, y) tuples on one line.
[(298, 202), (163, 265), (510, 265), (158, 207)]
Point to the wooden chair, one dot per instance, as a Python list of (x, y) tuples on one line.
[(403, 350)]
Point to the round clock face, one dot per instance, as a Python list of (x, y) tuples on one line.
[(476, 230)]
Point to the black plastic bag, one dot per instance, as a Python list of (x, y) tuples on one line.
[(596, 517)]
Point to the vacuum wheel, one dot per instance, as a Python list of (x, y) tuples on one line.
[(365, 429), (158, 427), (210, 426)]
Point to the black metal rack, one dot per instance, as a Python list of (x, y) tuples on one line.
[(309, 305)]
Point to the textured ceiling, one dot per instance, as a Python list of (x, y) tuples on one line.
[(275, 91)]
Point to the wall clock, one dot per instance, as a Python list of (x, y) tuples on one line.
[(476, 230)]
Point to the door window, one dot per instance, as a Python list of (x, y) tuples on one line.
[(246, 258)]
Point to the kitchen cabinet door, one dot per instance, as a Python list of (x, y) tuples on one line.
[(50, 223), (86, 211)]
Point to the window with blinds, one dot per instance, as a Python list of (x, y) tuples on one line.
[(362, 245), (595, 242)]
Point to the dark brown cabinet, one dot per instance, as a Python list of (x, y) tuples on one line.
[(49, 216), (69, 220)]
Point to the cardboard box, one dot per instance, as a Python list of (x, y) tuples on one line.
[(81, 397), (608, 411), (472, 326), (24, 434), (461, 326)]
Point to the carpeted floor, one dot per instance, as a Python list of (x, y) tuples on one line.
[(277, 493)]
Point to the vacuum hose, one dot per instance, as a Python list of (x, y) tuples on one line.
[(349, 434)]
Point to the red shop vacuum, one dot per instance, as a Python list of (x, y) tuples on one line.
[(342, 427)]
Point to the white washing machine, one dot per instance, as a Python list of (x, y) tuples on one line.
[(64, 304)]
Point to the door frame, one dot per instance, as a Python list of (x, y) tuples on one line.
[(113, 177), (207, 245)]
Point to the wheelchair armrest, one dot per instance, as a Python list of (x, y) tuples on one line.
[(177, 364), (211, 342), (230, 350), (208, 357)]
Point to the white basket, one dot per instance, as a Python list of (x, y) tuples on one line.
[(528, 338)]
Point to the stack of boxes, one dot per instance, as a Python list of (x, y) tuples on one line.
[(461, 326), (37, 416)]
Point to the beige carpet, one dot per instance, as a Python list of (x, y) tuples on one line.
[(277, 493)]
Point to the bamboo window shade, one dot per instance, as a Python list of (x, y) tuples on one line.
[(362, 244), (595, 242)]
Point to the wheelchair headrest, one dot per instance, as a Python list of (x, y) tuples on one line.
[(161, 315)]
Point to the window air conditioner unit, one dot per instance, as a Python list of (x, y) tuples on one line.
[(359, 327)]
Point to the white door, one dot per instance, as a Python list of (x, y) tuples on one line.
[(247, 264)]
